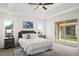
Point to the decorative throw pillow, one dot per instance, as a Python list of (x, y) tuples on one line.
[(28, 36), (33, 36), (24, 36)]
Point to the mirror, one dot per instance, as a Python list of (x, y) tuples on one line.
[(8, 24)]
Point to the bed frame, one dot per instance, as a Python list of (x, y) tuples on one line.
[(25, 32)]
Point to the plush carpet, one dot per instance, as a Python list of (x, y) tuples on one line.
[(17, 51), (7, 52)]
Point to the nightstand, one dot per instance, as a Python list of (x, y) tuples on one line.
[(9, 42)]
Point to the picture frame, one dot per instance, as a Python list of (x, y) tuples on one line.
[(27, 25)]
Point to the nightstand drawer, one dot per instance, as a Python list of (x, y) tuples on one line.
[(9, 40)]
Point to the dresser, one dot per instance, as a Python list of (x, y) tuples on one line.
[(9, 42)]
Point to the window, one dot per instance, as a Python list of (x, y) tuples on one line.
[(66, 30)]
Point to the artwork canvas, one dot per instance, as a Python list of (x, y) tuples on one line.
[(27, 25)]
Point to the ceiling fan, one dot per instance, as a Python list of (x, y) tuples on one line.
[(41, 5)]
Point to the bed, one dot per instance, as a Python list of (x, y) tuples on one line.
[(33, 45)]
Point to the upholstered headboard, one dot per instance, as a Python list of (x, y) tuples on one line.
[(25, 32)]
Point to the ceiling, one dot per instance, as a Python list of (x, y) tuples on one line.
[(24, 9)]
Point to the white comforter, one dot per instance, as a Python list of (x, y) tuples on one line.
[(32, 46)]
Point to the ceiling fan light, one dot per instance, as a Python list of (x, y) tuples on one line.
[(40, 6)]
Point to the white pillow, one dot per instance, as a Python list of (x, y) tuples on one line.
[(33, 36), (24, 36)]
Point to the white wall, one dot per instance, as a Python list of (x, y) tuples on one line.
[(1, 31), (51, 29), (17, 20), (51, 22)]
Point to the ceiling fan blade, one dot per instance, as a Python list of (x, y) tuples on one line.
[(48, 3), (42, 5), (33, 3), (44, 8)]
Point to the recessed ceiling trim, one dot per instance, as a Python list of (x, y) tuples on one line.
[(65, 11), (54, 6), (10, 6)]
